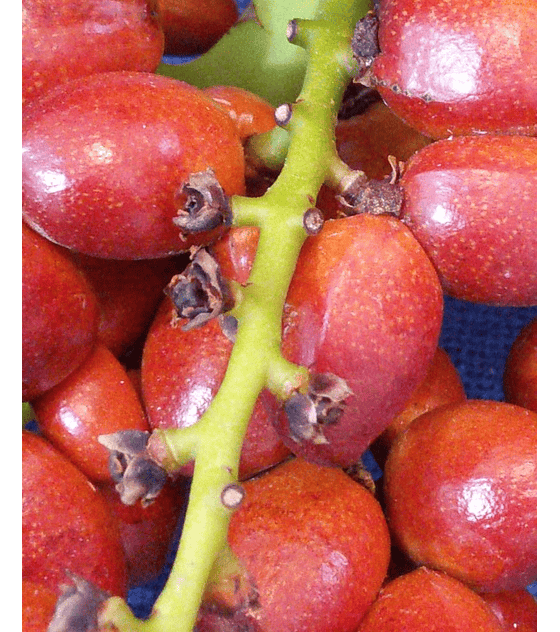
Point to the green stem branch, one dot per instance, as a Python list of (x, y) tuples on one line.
[(256, 360)]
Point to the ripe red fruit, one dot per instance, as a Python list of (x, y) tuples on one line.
[(193, 26), (472, 204), (38, 603), (520, 372), (181, 373), (251, 113), (443, 385), (425, 600), (128, 294), (60, 315), (69, 39), (105, 159), (367, 140), (235, 253), (315, 545), (66, 523), (147, 531), (97, 398), (461, 493), (449, 68), (365, 304), (516, 610)]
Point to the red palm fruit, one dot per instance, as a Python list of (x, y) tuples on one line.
[(128, 293), (97, 398), (449, 68), (66, 523), (443, 385), (251, 113), (147, 532), (515, 609), (425, 600), (69, 39), (181, 373), (471, 202), (60, 315), (365, 304), (38, 603), (520, 372), (106, 159), (367, 140), (193, 26), (460, 493), (315, 547), (235, 253)]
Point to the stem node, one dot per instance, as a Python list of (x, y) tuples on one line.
[(232, 496), (283, 114), (313, 221)]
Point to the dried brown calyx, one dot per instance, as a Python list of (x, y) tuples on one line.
[(322, 405), (199, 293), (376, 197), (136, 475), (78, 606), (365, 47), (231, 599), (203, 204), (359, 473)]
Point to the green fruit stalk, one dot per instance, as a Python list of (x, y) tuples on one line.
[(256, 362)]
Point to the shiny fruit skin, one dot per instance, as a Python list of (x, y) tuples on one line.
[(515, 609), (366, 141), (105, 157), (366, 305), (191, 27), (147, 532), (460, 493), (60, 315), (73, 38), (520, 372), (38, 603), (235, 253), (379, 336), (181, 373), (251, 113), (471, 202), (316, 545), (128, 294), (443, 385), (449, 68), (425, 600), (97, 398), (66, 523)]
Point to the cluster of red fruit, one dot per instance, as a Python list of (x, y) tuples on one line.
[(448, 540)]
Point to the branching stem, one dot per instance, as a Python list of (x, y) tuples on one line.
[(256, 361)]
